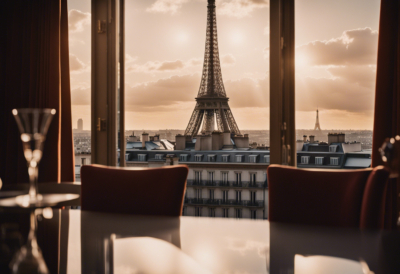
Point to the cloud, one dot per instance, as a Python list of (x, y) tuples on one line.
[(77, 19), (356, 47), (240, 8), (76, 65), (166, 6), (244, 246), (80, 96), (176, 65), (266, 30)]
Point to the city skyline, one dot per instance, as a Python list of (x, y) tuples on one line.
[(335, 62)]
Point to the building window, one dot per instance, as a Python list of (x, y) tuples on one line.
[(266, 159), (211, 176), (253, 177), (224, 176), (224, 196), (211, 157), (253, 158), (319, 161), (197, 211), (183, 158), (142, 157), (239, 158), (252, 197), (238, 196), (211, 194), (238, 177), (238, 213), (159, 156), (225, 158), (334, 161), (184, 211), (198, 157), (305, 160), (225, 212), (197, 176), (197, 193), (253, 214), (332, 148), (212, 212)]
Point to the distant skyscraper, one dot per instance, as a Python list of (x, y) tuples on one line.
[(317, 126), (80, 124)]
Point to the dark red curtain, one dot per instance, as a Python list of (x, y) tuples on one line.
[(387, 96), (35, 73)]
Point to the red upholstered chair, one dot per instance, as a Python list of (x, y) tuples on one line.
[(147, 191), (345, 198)]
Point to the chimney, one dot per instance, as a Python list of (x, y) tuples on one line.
[(83, 161), (145, 138), (304, 138), (180, 142), (227, 139), (312, 138)]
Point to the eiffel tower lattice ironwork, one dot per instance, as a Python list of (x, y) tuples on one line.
[(317, 126), (211, 102)]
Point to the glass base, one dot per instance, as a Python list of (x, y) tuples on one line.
[(44, 200)]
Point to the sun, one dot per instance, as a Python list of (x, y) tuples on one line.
[(237, 37), (301, 60)]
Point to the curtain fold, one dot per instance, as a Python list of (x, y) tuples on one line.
[(387, 95), (35, 74)]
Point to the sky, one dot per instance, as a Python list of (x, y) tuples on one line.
[(336, 45)]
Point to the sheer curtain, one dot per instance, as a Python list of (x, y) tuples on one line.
[(35, 73)]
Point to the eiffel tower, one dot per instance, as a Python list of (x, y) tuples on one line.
[(211, 102), (317, 126)]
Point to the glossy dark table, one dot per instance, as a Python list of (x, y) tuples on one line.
[(75, 241)]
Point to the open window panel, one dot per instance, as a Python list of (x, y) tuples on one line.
[(196, 78), (336, 53), (79, 19)]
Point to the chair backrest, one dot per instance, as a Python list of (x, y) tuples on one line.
[(147, 191), (324, 197)]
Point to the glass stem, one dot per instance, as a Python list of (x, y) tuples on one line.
[(33, 184), (32, 243)]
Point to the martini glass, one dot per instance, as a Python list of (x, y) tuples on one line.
[(33, 124)]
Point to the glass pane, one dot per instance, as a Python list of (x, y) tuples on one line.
[(336, 51), (79, 16), (197, 91)]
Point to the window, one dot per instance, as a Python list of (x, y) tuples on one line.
[(212, 212), (198, 157), (183, 157), (319, 160), (211, 157), (334, 161), (238, 196), (225, 158), (253, 214), (197, 177), (184, 211), (197, 193), (238, 177), (253, 158), (211, 176), (305, 160), (224, 196), (224, 175), (266, 159), (252, 197), (225, 212), (159, 156), (211, 194), (253, 177), (239, 158), (332, 148), (238, 213), (142, 157), (197, 211)]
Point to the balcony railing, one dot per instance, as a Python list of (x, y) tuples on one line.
[(215, 183), (221, 202)]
